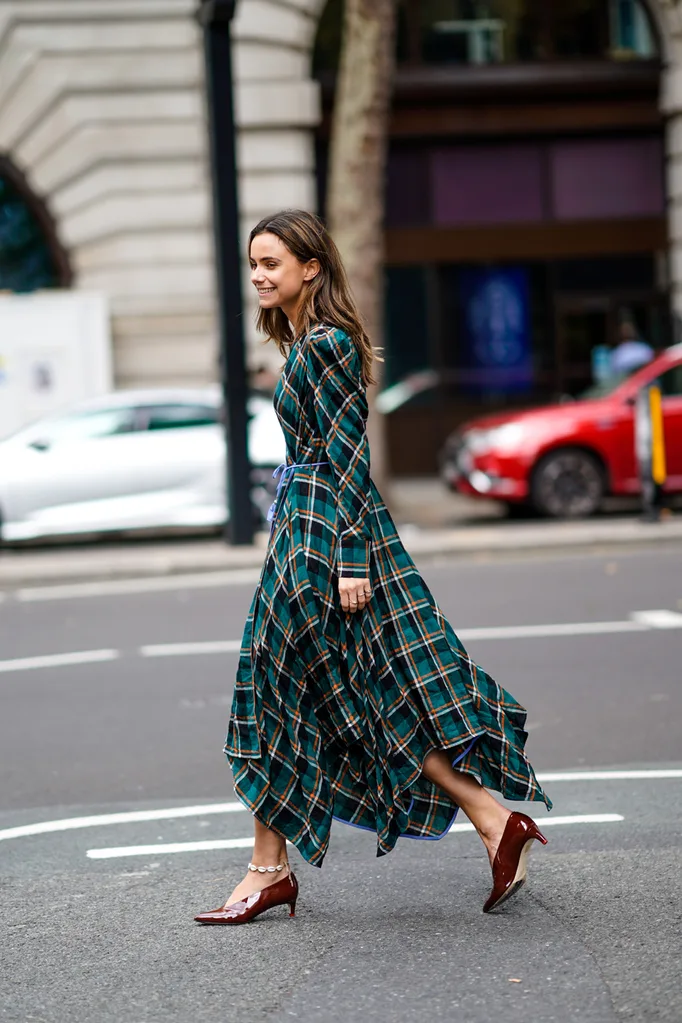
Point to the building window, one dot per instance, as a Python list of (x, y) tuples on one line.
[(28, 254), (631, 30), (497, 31), (478, 32)]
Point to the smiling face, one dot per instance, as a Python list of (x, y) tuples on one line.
[(277, 275)]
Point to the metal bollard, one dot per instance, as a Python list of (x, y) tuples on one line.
[(650, 448)]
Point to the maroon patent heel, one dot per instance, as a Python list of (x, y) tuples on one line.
[(511, 861), (282, 893)]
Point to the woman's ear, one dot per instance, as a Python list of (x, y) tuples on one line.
[(312, 269)]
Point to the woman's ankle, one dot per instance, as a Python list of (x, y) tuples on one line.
[(267, 859), (272, 871), (490, 829)]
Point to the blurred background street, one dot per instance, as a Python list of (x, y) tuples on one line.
[(507, 207), (504, 180)]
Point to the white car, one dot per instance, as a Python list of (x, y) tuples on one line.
[(130, 460)]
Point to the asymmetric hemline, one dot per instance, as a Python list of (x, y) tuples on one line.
[(334, 714)]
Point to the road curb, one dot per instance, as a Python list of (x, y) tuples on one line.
[(26, 568), (550, 538), (21, 568)]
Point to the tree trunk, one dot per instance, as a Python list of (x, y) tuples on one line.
[(357, 176)]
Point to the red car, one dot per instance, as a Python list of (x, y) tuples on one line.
[(563, 459)]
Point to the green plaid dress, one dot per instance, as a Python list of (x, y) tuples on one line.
[(334, 713)]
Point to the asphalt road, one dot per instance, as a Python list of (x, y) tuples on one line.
[(112, 707)]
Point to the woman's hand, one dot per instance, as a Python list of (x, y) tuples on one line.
[(354, 593)]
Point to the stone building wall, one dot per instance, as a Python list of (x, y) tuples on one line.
[(102, 107)]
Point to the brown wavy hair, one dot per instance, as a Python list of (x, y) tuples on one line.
[(328, 298)]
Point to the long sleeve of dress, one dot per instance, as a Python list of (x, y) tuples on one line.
[(334, 373)]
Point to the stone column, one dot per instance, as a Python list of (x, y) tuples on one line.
[(101, 105)]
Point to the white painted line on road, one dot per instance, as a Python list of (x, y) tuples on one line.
[(218, 646), (548, 822), (641, 621), (118, 587), (130, 817), (653, 774), (547, 631), (247, 843), (173, 847), (499, 632), (58, 660), (660, 619), (204, 810)]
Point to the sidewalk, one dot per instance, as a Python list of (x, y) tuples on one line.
[(432, 523)]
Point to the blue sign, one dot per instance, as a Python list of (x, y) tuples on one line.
[(496, 343)]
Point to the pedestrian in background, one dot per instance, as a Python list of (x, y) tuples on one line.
[(631, 352), (354, 699)]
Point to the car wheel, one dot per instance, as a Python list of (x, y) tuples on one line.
[(568, 484)]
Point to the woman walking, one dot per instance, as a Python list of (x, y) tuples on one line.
[(354, 698)]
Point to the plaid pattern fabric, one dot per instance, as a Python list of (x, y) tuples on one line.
[(334, 713)]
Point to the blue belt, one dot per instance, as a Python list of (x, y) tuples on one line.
[(282, 471)]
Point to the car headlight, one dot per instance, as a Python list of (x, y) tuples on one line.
[(503, 438)]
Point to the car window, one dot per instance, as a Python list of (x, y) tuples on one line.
[(84, 426), (178, 416), (671, 382), (602, 389)]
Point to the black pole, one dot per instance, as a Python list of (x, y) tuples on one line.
[(216, 16)]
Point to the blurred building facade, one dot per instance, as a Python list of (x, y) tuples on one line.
[(104, 176), (534, 196)]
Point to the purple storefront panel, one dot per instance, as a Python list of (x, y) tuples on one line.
[(604, 178), (487, 184), (408, 196)]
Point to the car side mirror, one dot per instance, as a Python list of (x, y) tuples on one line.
[(40, 444)]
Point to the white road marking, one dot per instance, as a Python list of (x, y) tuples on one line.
[(218, 646), (547, 822), (247, 843), (202, 810), (131, 817), (654, 773), (117, 587), (173, 847), (641, 621), (58, 660), (647, 621), (547, 631), (661, 619)]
